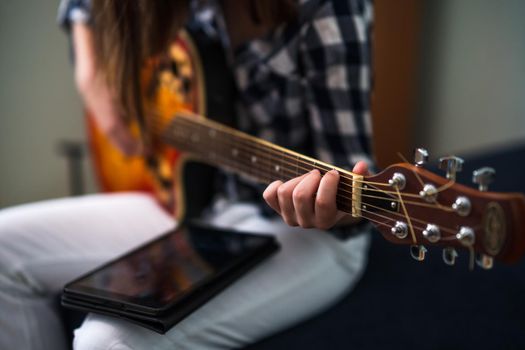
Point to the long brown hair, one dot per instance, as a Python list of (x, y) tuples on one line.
[(127, 32)]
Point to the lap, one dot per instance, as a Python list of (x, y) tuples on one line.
[(52, 242)]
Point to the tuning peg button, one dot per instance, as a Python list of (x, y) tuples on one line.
[(462, 206), (449, 256), (466, 236), (432, 233), (420, 156), (418, 252), (429, 193), (398, 181), (451, 164), (400, 230), (483, 177)]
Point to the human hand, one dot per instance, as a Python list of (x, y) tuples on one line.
[(309, 200), (98, 97)]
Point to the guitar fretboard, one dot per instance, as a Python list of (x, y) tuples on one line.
[(259, 160)]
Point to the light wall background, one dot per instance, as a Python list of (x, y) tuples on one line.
[(38, 103), (472, 76), (471, 88)]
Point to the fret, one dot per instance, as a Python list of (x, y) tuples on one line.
[(268, 163), (281, 166)]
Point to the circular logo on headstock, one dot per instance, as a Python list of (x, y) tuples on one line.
[(494, 227)]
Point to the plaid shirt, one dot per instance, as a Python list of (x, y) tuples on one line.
[(306, 86)]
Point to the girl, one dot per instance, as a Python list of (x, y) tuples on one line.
[(302, 71)]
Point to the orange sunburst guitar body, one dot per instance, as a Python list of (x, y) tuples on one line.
[(172, 83)]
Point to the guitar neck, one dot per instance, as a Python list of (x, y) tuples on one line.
[(262, 161)]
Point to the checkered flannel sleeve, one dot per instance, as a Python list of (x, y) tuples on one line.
[(335, 47)]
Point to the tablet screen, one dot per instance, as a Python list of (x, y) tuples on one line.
[(165, 269)]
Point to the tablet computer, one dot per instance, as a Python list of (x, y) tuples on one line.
[(163, 281)]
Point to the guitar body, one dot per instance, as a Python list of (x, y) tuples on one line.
[(180, 80)]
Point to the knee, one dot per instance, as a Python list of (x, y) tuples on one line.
[(98, 333), (15, 238), (106, 333)]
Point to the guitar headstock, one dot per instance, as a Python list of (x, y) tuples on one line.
[(413, 206)]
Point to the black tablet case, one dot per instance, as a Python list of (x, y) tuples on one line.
[(163, 322)]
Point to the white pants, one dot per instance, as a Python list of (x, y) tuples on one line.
[(44, 245)]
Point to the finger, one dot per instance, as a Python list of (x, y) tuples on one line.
[(284, 196), (270, 195), (325, 201), (304, 197), (361, 168)]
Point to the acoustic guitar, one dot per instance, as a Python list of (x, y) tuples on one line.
[(407, 203)]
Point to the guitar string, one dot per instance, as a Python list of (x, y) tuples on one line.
[(438, 190), (316, 165), (283, 156), (449, 238), (414, 219), (343, 184), (207, 123), (264, 154), (378, 222), (262, 173), (387, 218), (271, 148), (383, 191), (435, 206), (252, 140), (344, 206), (377, 207), (407, 218)]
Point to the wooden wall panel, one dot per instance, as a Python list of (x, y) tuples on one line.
[(395, 55)]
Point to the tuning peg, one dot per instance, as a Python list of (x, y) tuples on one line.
[(420, 156), (466, 236), (483, 177), (418, 252), (400, 230), (451, 164), (485, 261), (462, 206), (449, 256), (432, 233), (398, 181)]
